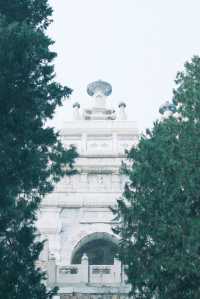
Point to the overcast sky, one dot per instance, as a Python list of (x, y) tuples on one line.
[(136, 45)]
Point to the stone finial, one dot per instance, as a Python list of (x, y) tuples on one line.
[(122, 113), (52, 256), (99, 87), (122, 104), (84, 257), (84, 269), (76, 107), (99, 90)]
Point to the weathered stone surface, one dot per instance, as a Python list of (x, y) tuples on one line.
[(79, 207)]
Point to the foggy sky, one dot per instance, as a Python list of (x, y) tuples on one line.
[(136, 45)]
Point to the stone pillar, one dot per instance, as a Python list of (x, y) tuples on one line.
[(114, 140), (76, 111), (99, 100), (45, 251), (122, 113), (52, 269), (124, 276), (84, 143), (117, 271), (84, 269)]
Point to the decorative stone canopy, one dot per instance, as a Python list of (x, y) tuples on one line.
[(99, 87), (122, 104), (76, 105), (99, 91)]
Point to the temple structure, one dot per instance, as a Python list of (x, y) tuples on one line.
[(76, 218)]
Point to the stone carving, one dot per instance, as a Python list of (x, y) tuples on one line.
[(101, 270), (99, 86), (78, 208), (100, 179), (122, 113), (68, 270), (76, 107)]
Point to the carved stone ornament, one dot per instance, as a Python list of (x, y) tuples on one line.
[(104, 87)]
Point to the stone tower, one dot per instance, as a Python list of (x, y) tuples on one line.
[(76, 218)]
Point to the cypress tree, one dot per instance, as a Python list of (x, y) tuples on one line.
[(159, 212), (32, 157)]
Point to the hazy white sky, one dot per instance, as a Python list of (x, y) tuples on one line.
[(136, 45)]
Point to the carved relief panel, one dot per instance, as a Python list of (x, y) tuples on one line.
[(96, 215), (99, 144), (99, 182)]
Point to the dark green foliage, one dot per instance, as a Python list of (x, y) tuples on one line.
[(31, 154), (33, 12), (159, 212)]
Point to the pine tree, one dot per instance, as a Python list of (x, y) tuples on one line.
[(159, 212), (32, 157)]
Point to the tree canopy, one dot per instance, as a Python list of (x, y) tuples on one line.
[(32, 157), (159, 211)]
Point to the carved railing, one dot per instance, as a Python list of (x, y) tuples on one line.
[(85, 273), (69, 274)]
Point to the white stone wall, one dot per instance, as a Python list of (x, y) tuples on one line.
[(79, 205)]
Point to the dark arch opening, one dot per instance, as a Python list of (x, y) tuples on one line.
[(101, 249)]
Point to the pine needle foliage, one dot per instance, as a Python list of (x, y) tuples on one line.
[(32, 157), (159, 212)]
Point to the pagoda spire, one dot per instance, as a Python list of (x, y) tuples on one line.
[(99, 91)]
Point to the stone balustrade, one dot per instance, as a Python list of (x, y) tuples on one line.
[(85, 273)]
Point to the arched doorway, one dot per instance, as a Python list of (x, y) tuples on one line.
[(101, 248)]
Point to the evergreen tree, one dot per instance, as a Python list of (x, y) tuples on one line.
[(31, 153), (159, 212)]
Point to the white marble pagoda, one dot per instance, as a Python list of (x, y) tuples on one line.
[(76, 218)]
